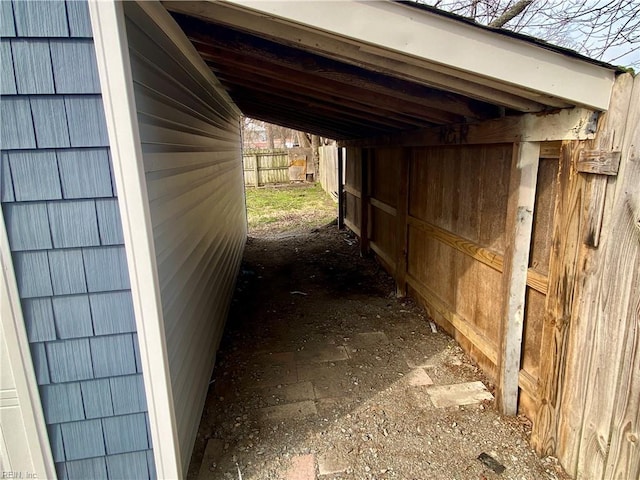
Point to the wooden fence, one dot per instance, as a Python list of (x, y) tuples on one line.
[(328, 174), (265, 166), (528, 253)]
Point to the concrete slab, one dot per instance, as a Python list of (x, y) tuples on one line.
[(210, 460), (329, 353), (303, 467), (296, 392), (370, 339), (418, 378), (289, 411), (458, 394), (273, 375), (277, 358), (415, 359), (331, 463), (332, 387)]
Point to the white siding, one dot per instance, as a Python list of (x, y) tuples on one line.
[(190, 136)]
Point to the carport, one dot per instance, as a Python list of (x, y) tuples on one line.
[(494, 176)]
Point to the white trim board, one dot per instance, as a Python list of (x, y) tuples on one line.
[(24, 378), (112, 53)]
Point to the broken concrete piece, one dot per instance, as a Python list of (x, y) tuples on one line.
[(458, 394)]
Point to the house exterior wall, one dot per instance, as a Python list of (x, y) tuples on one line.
[(61, 214), (191, 147)]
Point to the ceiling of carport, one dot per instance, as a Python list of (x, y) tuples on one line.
[(319, 88)]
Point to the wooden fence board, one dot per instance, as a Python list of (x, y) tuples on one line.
[(265, 166), (609, 441), (568, 333)]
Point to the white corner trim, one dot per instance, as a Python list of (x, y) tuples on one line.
[(112, 54), (15, 335)]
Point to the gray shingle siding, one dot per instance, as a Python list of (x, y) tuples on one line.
[(65, 55), (32, 66), (63, 221), (7, 24), (85, 173), (7, 75), (96, 395), (41, 19), (16, 129), (50, 122), (28, 226), (38, 317)]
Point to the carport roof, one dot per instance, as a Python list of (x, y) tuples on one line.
[(355, 69)]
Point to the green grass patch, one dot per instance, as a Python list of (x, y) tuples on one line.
[(287, 209)]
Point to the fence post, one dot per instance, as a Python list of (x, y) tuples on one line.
[(256, 170), (340, 188)]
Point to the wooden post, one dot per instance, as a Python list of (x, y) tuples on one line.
[(402, 209), (365, 164), (340, 188), (256, 170), (522, 193)]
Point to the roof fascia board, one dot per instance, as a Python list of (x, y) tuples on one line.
[(451, 45), (567, 124)]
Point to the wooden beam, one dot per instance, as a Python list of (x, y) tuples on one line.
[(351, 226), (270, 83), (398, 63), (380, 205), (522, 189), (362, 86), (569, 124), (402, 227), (341, 188), (535, 280), (342, 33), (314, 102), (352, 191), (365, 172), (472, 249), (387, 259)]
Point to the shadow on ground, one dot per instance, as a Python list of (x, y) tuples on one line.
[(323, 373)]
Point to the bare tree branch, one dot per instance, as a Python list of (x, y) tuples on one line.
[(511, 13)]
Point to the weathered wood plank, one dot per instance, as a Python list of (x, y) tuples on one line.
[(609, 440), (351, 226), (352, 191), (382, 206), (568, 124), (550, 149), (599, 162), (522, 189), (484, 255), (535, 280), (389, 262), (565, 363), (559, 303)]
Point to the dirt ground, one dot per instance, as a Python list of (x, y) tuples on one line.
[(323, 373)]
